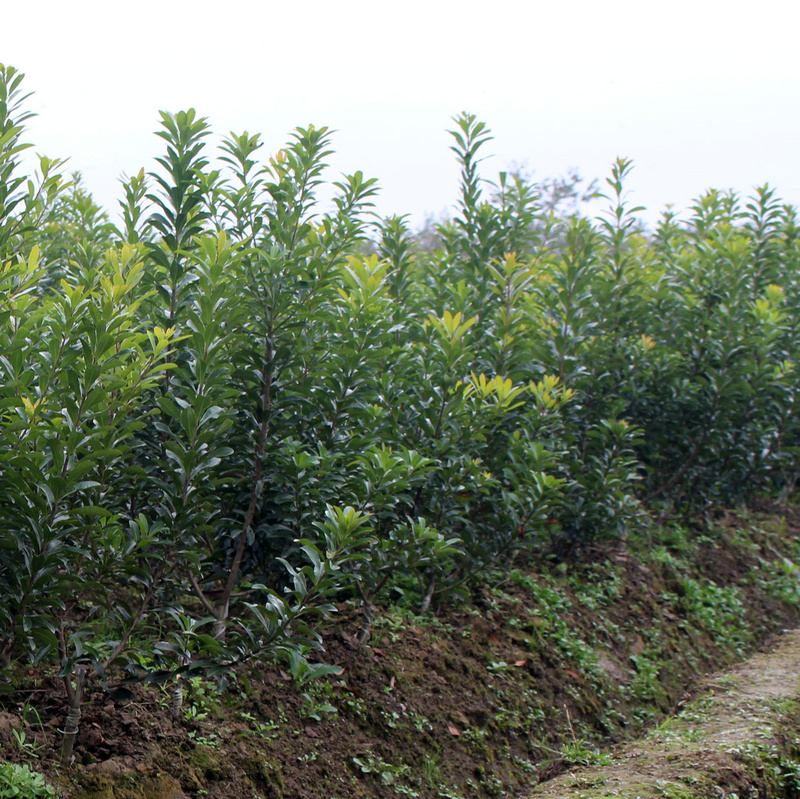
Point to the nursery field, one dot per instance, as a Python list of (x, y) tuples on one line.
[(277, 478)]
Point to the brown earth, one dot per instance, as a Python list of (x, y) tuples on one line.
[(485, 699)]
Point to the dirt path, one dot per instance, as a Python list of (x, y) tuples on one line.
[(728, 741)]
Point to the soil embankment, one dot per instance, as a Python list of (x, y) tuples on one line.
[(543, 668)]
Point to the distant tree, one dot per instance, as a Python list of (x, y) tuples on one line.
[(561, 197)]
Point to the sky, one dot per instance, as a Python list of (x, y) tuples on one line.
[(698, 94)]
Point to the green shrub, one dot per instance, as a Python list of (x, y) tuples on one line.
[(221, 415)]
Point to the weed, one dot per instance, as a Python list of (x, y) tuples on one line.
[(528, 766), (447, 793), (30, 747), (729, 681), (21, 782), (475, 734), (719, 610), (646, 685), (387, 773), (547, 597), (431, 769), (582, 753), (304, 672), (675, 729), (267, 730), (353, 705), (780, 767), (318, 711), (317, 705), (671, 791), (665, 557), (418, 722), (391, 719), (197, 702), (598, 588), (211, 740)]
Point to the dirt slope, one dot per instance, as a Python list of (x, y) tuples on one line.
[(482, 700)]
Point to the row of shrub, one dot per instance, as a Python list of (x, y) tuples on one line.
[(235, 405)]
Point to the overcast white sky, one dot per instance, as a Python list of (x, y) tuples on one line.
[(699, 93)]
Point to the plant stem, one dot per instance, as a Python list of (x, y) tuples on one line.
[(75, 694)]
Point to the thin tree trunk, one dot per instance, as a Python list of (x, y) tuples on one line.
[(177, 699), (426, 600), (75, 695), (223, 606), (368, 614)]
